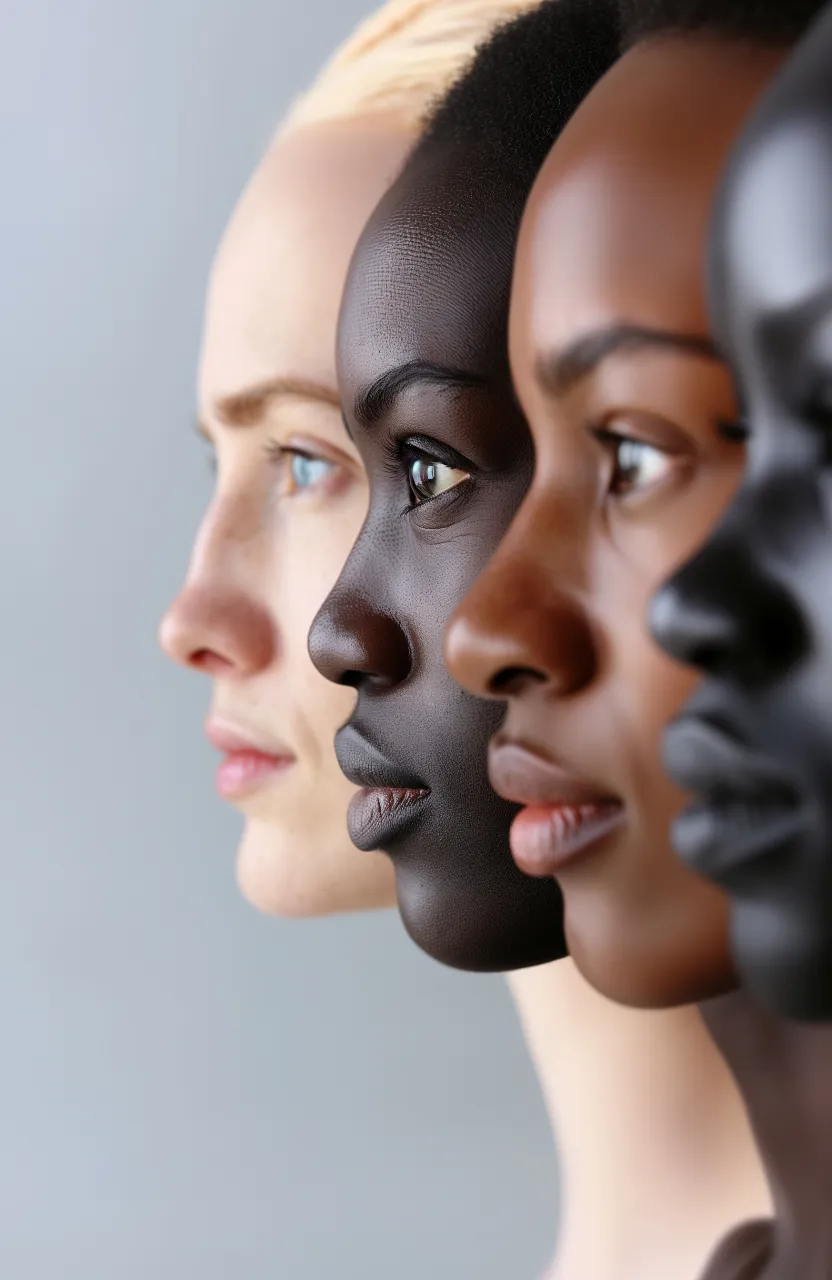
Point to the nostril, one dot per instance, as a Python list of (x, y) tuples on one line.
[(510, 681), (210, 662)]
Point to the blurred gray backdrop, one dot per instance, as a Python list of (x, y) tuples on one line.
[(187, 1090)]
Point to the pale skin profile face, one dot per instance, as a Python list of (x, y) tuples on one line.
[(289, 499)]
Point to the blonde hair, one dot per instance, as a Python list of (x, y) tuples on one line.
[(400, 59)]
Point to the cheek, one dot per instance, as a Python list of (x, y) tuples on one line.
[(646, 688)]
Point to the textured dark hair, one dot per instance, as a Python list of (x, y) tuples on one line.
[(525, 82), (760, 22)]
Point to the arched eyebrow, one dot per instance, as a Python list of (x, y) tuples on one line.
[(248, 407), (558, 371), (375, 401)]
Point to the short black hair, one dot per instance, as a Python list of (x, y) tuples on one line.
[(524, 83), (760, 22)]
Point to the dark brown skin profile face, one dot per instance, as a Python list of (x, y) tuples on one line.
[(427, 395), (637, 453)]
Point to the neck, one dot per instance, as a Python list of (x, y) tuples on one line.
[(656, 1156), (783, 1070)]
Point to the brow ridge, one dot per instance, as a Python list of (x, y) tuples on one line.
[(376, 400), (558, 372)]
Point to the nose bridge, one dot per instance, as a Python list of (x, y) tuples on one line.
[(221, 621), (521, 624), (231, 538), (356, 639)]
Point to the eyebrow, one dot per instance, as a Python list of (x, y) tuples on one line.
[(376, 400), (247, 408), (558, 371)]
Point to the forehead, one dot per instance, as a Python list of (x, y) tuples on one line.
[(277, 280), (775, 222), (617, 222), (431, 275)]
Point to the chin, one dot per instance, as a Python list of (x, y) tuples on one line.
[(298, 876), (514, 925), (614, 959)]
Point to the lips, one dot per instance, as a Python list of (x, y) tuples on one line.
[(247, 765), (563, 815), (390, 799), (746, 806)]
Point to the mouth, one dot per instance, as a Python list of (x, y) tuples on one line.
[(246, 766), (389, 801), (746, 807), (563, 816)]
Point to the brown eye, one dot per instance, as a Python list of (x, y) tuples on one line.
[(428, 478), (636, 465)]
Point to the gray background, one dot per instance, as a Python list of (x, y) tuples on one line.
[(187, 1090)]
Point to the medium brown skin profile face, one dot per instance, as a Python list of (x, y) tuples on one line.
[(637, 453)]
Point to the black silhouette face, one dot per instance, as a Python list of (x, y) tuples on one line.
[(753, 609), (428, 400)]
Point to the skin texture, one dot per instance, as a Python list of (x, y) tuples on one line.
[(752, 611), (614, 234), (275, 533), (427, 294)]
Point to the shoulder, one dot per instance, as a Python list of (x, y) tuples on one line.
[(743, 1253)]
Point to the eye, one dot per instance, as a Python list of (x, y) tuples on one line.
[(428, 478), (636, 465), (300, 469), (306, 471)]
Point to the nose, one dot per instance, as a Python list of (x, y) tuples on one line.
[(353, 641), (516, 630), (724, 613), (217, 624)]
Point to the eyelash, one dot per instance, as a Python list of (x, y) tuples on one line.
[(736, 430)]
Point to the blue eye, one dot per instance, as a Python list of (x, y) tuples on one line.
[(306, 471)]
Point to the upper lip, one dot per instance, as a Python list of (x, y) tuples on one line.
[(519, 772), (705, 752), (365, 765), (230, 738)]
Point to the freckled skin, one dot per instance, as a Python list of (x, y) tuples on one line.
[(430, 283)]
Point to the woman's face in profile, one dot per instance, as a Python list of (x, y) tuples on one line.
[(637, 452), (289, 499), (428, 401)]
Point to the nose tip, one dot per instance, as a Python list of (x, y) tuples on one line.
[(482, 663), (725, 614), (693, 630), (219, 631), (516, 631), (353, 642)]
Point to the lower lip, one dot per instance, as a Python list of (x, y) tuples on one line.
[(377, 816), (719, 837), (546, 838), (242, 772)]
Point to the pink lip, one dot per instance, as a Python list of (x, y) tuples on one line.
[(246, 765), (563, 815), (545, 838)]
